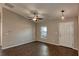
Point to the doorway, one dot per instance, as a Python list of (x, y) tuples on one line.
[(66, 34)]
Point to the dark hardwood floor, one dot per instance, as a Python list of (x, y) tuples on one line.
[(39, 49)]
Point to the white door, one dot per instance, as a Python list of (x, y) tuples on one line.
[(66, 34)]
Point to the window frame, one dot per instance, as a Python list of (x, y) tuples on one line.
[(43, 36)]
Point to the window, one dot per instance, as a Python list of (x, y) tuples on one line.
[(43, 32)]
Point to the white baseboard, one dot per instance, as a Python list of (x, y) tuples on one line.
[(58, 45), (15, 45), (49, 42), (30, 42), (70, 47)]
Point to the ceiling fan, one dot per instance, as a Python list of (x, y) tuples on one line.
[(36, 18)]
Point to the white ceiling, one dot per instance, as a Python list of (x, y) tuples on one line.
[(52, 10)]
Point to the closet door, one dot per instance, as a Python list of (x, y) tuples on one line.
[(66, 34)]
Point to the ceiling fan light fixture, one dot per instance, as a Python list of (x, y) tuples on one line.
[(34, 19)]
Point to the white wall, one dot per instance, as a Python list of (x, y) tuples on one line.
[(17, 30), (52, 34), (53, 31)]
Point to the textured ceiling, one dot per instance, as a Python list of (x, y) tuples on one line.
[(47, 10)]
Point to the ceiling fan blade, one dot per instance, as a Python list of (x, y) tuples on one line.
[(29, 19), (40, 18)]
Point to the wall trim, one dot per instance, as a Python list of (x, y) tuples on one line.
[(58, 45), (3, 48)]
